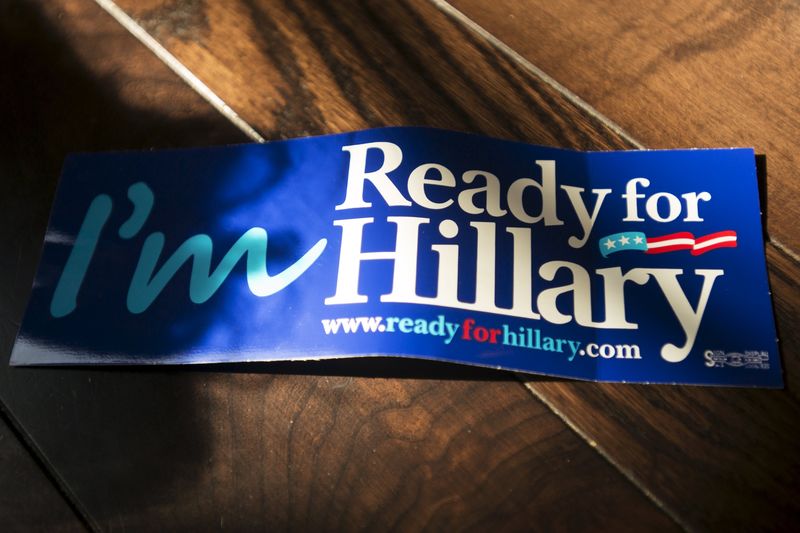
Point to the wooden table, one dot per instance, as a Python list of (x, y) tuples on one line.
[(391, 444)]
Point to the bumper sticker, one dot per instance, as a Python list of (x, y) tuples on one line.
[(635, 266)]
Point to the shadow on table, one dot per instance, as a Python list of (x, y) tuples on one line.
[(113, 439), (382, 367), (116, 439)]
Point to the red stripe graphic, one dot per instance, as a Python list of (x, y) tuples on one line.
[(686, 241), (712, 241), (670, 243)]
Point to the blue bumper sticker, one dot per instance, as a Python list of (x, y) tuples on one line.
[(637, 266)]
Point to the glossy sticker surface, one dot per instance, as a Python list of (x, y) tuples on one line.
[(638, 266)]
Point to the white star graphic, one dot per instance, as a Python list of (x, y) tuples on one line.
[(637, 239), (624, 240), (609, 244)]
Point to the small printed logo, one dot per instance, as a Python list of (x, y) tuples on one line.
[(749, 359)]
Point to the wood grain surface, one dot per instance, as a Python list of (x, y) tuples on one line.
[(384, 443), (341, 445), (675, 74), (711, 457), (688, 74)]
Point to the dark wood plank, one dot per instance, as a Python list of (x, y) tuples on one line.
[(310, 73), (341, 445), (736, 446), (675, 74), (28, 500), (719, 458)]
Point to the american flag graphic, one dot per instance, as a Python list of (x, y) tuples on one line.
[(636, 240)]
